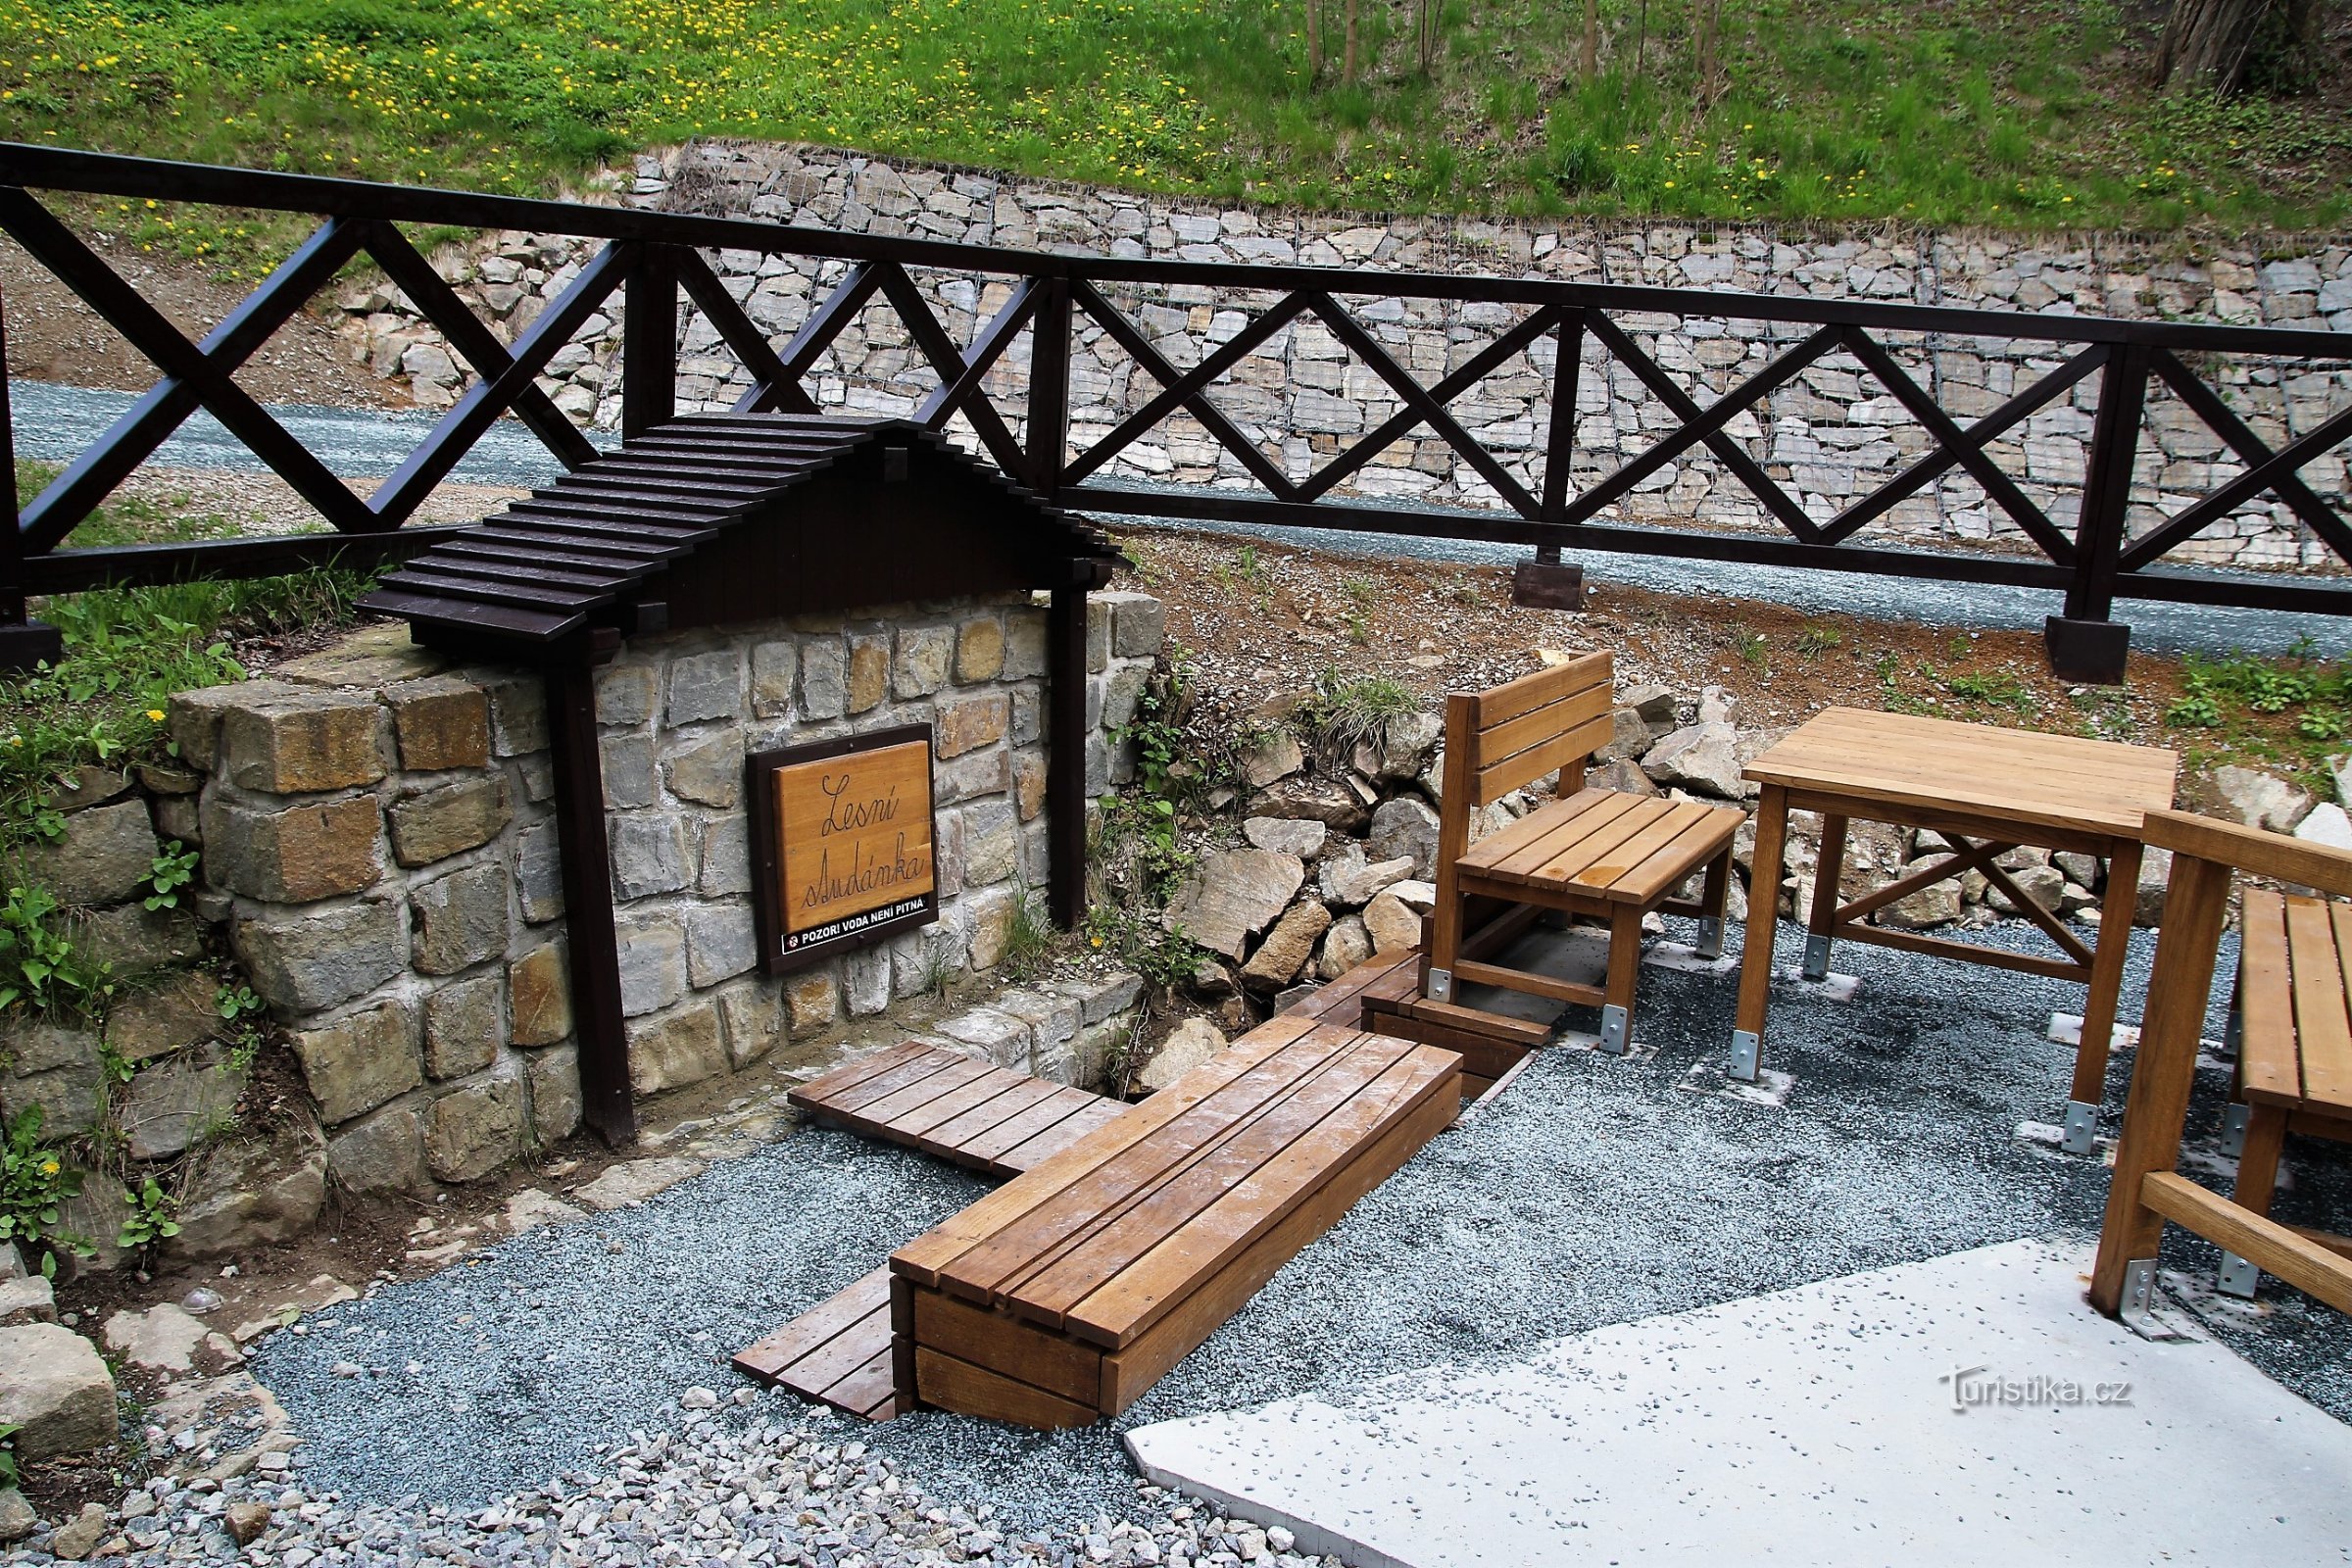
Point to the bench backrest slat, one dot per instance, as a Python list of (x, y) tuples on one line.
[(1536, 725)]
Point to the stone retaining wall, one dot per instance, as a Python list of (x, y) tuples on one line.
[(1830, 437)]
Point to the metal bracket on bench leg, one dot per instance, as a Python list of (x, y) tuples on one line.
[(2081, 1127), (2237, 1277), (1440, 985), (2138, 1302), (2234, 1129), (1616, 1031), (1710, 938), (1816, 957), (1746, 1049)]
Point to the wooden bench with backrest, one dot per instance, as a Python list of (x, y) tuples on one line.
[(1063, 1296), (1605, 854), (2294, 1061)]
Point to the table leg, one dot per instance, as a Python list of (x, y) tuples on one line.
[(1763, 910), (2105, 989), (1828, 874), (1625, 968)]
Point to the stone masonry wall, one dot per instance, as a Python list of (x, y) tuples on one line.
[(379, 843), (1829, 436)]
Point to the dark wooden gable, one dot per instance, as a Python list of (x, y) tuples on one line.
[(714, 519)]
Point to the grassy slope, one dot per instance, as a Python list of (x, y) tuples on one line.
[(2018, 114)]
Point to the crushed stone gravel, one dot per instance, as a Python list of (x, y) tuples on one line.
[(1596, 1190)]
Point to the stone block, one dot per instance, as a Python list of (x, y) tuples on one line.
[(194, 722), (1404, 827), (925, 656), (824, 680), (649, 855), (1002, 1038), (1232, 896), (1029, 784), (1284, 953), (169, 1016), (461, 920), (357, 1063), (517, 714), (1139, 623), (107, 855), (539, 874), (811, 1000), (135, 939), (979, 650), (720, 942), (971, 723), (679, 1048), (250, 1194), (1098, 634), (774, 668), (539, 996), (703, 687), (27, 1299), (708, 772), (440, 722), (624, 695), (991, 842), (626, 762), (464, 1022), (56, 1391), (77, 788), (866, 981), (1345, 944), (553, 1079), (725, 864), (293, 740), (371, 657), (869, 673), (476, 1127), (1024, 644), (175, 1103), (653, 961), (988, 771), (306, 960), (442, 822), (991, 914), (753, 1016), (385, 1153), (295, 856)]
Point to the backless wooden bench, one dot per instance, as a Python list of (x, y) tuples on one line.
[(1061, 1297)]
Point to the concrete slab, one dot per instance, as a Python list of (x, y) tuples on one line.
[(1965, 1410)]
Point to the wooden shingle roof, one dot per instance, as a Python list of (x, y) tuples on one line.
[(739, 516)]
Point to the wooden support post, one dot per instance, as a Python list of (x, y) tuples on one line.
[(649, 346), (1048, 426), (606, 1102), (1066, 742), (23, 643), (2085, 644), (1543, 582)]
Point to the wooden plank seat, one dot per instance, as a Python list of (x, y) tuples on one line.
[(1603, 853), (2294, 1054), (1382, 996), (838, 1353), (956, 1106), (1063, 1296)]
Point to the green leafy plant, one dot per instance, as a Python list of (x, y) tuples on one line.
[(40, 965), (148, 1219), (1813, 641), (2196, 710), (1999, 689), (1754, 650), (175, 868), (241, 1011), (35, 1184), (9, 1474), (1347, 710)]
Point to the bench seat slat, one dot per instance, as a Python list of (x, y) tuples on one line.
[(2328, 1057), (2266, 1055)]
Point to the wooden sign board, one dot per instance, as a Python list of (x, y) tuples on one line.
[(842, 837)]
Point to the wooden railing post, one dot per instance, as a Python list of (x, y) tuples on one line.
[(649, 344), (24, 643), (1544, 583), (2085, 642), (1049, 429)]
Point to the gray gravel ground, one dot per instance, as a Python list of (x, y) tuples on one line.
[(1597, 1191)]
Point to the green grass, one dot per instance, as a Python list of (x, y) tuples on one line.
[(127, 650), (2287, 715), (2026, 115)]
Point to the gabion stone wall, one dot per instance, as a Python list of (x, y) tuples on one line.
[(379, 843), (1831, 436)]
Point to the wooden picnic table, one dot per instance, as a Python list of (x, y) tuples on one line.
[(1985, 791)]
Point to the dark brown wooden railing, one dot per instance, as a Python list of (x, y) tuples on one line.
[(648, 257)]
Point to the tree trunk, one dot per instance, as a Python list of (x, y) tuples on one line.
[(1348, 59), (2206, 41), (1314, 41), (1427, 40), (1706, 17), (1588, 63)]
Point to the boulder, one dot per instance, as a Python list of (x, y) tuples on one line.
[(1287, 947), (2261, 800), (1391, 926), (1716, 704), (1233, 895), (1702, 758), (2043, 884), (634, 1181), (173, 1104), (1419, 896), (1350, 882), (1404, 747), (1344, 946), (1630, 738), (1299, 836), (162, 1339), (1408, 829), (1317, 800), (106, 855), (1654, 704), (1623, 775), (252, 1194), (1190, 1044), (27, 1299), (1928, 906), (1270, 755), (2327, 824), (79, 1536), (56, 1390)]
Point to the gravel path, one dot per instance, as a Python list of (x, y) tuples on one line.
[(1597, 1191)]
